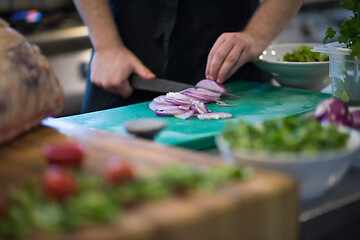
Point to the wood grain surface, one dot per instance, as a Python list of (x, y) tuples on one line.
[(264, 207)]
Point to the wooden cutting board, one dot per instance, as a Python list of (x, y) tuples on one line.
[(258, 103), (264, 207)]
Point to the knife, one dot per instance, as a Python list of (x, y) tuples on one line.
[(165, 86)]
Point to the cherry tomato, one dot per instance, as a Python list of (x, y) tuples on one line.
[(58, 183), (64, 154), (119, 170)]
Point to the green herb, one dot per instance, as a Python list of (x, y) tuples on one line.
[(350, 28), (304, 54), (292, 134), (99, 202)]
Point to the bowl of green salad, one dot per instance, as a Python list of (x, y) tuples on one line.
[(295, 65), (316, 155)]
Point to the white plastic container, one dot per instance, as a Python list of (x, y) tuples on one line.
[(344, 71)]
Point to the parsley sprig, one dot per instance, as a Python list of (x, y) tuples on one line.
[(350, 28)]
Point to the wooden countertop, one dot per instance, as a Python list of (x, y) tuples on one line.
[(264, 207)]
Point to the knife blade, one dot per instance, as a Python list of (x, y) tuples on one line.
[(165, 86), (158, 85)]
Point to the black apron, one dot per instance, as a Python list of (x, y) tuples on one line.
[(173, 39)]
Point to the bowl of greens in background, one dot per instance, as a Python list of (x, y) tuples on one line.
[(301, 68), (316, 156)]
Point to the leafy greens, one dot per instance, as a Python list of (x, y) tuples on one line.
[(350, 29)]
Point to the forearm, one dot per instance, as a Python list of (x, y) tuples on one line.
[(97, 16), (270, 19)]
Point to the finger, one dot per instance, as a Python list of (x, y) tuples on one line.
[(143, 71), (218, 59), (230, 64), (125, 89), (214, 48)]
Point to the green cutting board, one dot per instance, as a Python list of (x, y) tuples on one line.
[(258, 103)]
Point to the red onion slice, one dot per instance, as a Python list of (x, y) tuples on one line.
[(185, 115), (212, 85), (214, 115), (223, 104), (185, 107), (200, 107), (162, 100), (169, 112), (202, 95), (178, 98)]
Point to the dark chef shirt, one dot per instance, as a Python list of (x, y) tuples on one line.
[(173, 39)]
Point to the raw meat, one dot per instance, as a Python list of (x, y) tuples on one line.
[(29, 90)]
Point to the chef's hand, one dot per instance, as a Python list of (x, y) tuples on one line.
[(229, 53), (111, 68)]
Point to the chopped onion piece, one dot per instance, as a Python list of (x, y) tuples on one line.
[(214, 115), (185, 107), (162, 100), (212, 85), (185, 115), (221, 103), (200, 107)]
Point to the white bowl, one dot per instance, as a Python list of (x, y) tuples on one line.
[(315, 174), (305, 75)]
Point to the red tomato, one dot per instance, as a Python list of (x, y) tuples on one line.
[(64, 154), (58, 183), (119, 170)]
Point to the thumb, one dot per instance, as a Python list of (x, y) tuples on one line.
[(141, 70)]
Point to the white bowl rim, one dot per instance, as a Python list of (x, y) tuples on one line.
[(279, 45), (280, 157)]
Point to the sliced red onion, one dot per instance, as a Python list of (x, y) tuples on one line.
[(212, 85), (160, 107), (165, 110), (185, 107), (178, 98), (169, 112), (202, 94), (207, 93), (162, 100), (189, 102), (214, 115), (185, 115), (356, 119), (221, 103), (200, 107), (194, 109)]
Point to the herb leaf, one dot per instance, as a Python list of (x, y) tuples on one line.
[(330, 33), (350, 28)]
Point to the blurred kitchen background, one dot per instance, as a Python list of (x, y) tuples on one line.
[(56, 27)]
